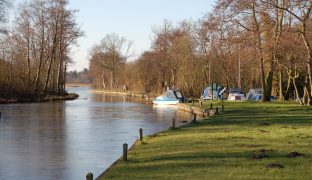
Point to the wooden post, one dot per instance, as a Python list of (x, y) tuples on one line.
[(222, 108), (173, 123), (0, 114), (194, 117), (217, 110), (204, 113), (141, 134), (125, 152), (89, 176), (211, 106), (201, 103)]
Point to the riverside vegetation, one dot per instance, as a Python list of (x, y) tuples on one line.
[(35, 51), (247, 141)]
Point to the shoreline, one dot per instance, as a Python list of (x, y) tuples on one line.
[(147, 99), (78, 84), (69, 96), (127, 93)]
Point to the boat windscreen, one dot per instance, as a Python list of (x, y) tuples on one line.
[(171, 95), (179, 95)]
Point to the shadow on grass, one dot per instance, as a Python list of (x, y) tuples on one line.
[(214, 155), (257, 116)]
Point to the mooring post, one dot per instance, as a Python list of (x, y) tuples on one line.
[(173, 123), (208, 112), (125, 152), (194, 117), (141, 134), (89, 176)]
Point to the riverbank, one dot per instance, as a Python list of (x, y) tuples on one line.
[(78, 84), (69, 96), (248, 141), (147, 97)]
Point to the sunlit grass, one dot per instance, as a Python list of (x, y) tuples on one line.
[(226, 146)]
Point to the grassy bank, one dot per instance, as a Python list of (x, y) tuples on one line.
[(248, 141)]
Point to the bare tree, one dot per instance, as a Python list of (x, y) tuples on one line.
[(110, 56)]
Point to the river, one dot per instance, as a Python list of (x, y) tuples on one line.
[(66, 140)]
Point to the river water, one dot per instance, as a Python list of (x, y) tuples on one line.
[(66, 140)]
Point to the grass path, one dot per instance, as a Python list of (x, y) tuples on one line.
[(248, 141)]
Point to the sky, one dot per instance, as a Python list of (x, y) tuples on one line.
[(132, 19)]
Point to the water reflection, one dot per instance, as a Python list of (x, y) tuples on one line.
[(65, 140)]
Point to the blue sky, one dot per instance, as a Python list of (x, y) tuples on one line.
[(132, 19)]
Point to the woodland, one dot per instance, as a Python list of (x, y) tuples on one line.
[(35, 51), (247, 44)]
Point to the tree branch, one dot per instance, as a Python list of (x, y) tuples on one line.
[(248, 29), (283, 8)]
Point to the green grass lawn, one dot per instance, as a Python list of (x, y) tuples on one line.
[(239, 144)]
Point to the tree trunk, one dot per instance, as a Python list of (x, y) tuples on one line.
[(281, 93), (60, 69), (296, 90), (288, 88), (53, 55), (309, 68), (38, 74), (259, 47), (269, 82)]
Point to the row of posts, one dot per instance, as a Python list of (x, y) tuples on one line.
[(222, 106), (125, 145)]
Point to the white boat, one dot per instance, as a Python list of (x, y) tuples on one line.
[(236, 94), (171, 97)]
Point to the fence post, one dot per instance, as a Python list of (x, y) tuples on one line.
[(173, 123), (211, 106), (141, 134), (125, 152), (194, 117), (89, 176)]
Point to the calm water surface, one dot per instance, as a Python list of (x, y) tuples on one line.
[(66, 140)]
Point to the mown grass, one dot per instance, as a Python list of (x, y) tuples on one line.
[(238, 144)]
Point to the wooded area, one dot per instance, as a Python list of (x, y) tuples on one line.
[(35, 51), (253, 43), (247, 44)]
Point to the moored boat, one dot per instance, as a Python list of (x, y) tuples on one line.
[(171, 97)]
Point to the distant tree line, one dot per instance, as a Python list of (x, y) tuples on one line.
[(35, 51), (78, 76), (252, 43)]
